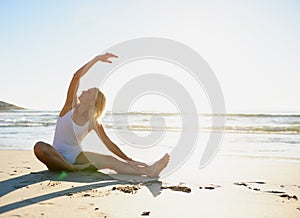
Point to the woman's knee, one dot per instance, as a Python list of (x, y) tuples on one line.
[(40, 149)]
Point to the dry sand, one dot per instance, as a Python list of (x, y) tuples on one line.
[(226, 188)]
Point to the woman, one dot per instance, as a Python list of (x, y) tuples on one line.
[(76, 119)]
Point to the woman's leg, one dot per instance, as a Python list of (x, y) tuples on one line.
[(108, 162), (51, 158)]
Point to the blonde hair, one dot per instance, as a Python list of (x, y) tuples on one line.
[(100, 102)]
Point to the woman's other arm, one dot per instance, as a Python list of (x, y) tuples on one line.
[(108, 143), (114, 148)]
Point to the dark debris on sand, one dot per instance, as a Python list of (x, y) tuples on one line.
[(178, 188), (289, 196), (245, 183), (281, 194), (209, 187), (127, 189), (146, 213), (240, 183), (275, 192)]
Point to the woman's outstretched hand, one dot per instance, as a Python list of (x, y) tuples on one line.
[(105, 57)]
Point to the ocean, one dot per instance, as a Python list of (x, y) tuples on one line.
[(273, 136)]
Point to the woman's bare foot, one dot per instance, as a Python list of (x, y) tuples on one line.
[(157, 167)]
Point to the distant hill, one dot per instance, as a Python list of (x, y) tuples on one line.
[(6, 106)]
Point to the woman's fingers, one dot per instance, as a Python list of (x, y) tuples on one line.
[(137, 164), (114, 56), (111, 55), (142, 164), (105, 57)]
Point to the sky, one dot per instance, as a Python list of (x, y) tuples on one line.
[(253, 47)]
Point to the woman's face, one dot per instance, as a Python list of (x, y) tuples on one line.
[(88, 96)]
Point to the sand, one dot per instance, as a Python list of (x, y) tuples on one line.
[(226, 188)]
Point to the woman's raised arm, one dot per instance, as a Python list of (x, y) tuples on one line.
[(73, 87)]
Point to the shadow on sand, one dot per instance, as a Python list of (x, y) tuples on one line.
[(96, 179)]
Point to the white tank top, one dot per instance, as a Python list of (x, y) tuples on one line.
[(68, 137)]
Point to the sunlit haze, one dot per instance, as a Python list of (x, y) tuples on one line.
[(252, 46)]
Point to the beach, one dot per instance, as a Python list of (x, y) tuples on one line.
[(225, 188)]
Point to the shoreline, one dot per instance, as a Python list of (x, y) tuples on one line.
[(225, 188)]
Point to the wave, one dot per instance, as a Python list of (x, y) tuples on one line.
[(228, 129), (205, 114), (139, 121), (28, 118), (143, 113), (143, 128), (258, 115), (28, 112), (154, 113), (25, 123), (261, 129)]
